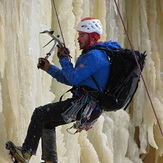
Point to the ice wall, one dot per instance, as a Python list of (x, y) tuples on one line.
[(131, 136)]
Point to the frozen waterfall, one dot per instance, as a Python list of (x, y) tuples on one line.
[(131, 136)]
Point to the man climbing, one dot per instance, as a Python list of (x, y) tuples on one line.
[(83, 107)]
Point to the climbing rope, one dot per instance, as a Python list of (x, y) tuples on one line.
[(132, 48), (55, 9), (133, 51)]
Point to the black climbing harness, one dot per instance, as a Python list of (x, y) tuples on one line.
[(84, 104)]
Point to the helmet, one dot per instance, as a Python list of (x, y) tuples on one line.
[(90, 25)]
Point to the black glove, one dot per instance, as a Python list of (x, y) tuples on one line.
[(43, 64), (63, 52)]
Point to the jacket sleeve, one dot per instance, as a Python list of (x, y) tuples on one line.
[(57, 73), (89, 64)]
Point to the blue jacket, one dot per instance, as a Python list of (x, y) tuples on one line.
[(94, 62)]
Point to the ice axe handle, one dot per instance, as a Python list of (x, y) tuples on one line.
[(47, 56)]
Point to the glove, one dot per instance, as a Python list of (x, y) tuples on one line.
[(43, 63), (63, 52)]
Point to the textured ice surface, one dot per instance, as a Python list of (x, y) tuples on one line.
[(117, 137)]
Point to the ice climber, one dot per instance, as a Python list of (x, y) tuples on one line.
[(82, 108)]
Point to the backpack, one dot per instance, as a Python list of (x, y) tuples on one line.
[(124, 78)]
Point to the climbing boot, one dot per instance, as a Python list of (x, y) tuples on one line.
[(18, 153)]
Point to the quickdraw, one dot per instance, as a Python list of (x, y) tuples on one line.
[(85, 105), (80, 126)]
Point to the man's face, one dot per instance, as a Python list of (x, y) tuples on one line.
[(83, 40)]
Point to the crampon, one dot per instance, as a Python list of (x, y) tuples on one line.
[(15, 153)]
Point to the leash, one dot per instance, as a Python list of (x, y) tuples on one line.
[(132, 48)]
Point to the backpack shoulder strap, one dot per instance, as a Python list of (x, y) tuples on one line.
[(107, 50), (94, 80)]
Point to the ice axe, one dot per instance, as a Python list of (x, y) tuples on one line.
[(57, 43), (56, 40)]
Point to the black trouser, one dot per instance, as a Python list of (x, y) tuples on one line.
[(46, 118), (49, 149)]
